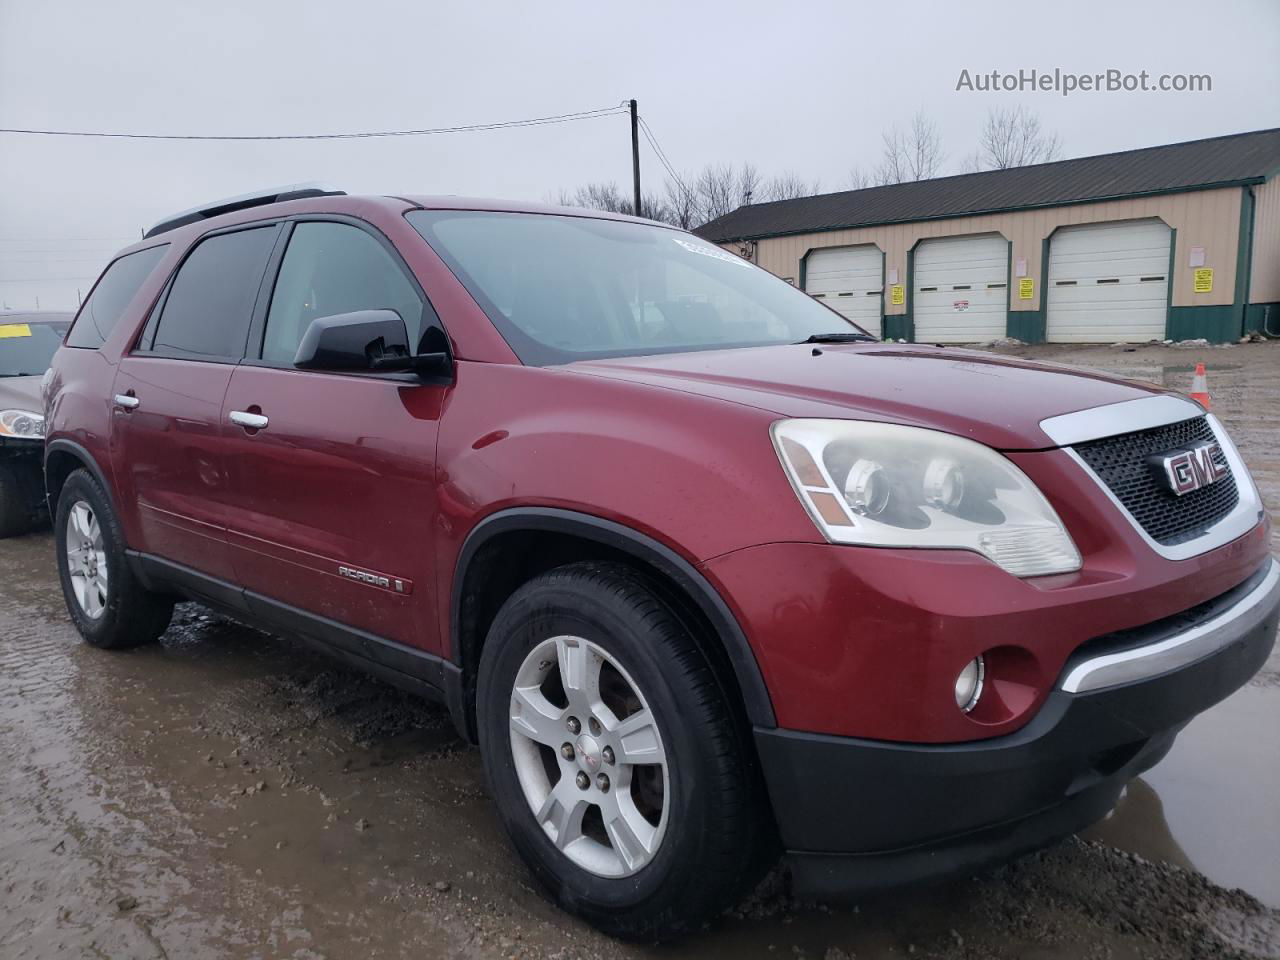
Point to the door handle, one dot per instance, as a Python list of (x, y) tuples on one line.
[(126, 401), (250, 421)]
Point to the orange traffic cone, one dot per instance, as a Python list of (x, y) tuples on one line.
[(1200, 387)]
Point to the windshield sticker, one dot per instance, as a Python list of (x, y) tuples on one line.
[(713, 252), (9, 331)]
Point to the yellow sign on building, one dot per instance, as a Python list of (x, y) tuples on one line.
[(1204, 280), (1026, 288), (897, 296)]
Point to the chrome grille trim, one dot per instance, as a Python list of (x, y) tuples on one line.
[(1243, 517)]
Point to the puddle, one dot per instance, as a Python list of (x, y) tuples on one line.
[(1213, 804)]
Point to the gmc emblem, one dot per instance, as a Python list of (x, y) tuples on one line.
[(1188, 470)]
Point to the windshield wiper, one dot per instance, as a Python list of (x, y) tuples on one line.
[(841, 338)]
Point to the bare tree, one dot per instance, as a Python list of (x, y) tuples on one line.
[(682, 204), (789, 186), (722, 188), (610, 198), (914, 155), (1015, 138), (692, 201), (859, 179)]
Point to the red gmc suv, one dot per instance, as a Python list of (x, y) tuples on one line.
[(706, 571)]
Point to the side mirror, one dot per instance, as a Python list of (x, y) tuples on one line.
[(366, 340)]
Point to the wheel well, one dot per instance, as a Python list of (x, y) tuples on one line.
[(58, 465), (509, 560)]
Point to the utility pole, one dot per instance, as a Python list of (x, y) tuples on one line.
[(635, 157)]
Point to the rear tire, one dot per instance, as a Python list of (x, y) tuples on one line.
[(15, 508), (676, 836), (108, 605)]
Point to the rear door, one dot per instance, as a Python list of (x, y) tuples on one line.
[(333, 501), (166, 434)]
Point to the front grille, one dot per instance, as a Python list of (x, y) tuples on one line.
[(1122, 464)]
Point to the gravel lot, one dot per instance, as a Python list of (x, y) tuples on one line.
[(227, 794)]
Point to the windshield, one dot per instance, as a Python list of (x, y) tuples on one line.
[(27, 348), (562, 288)]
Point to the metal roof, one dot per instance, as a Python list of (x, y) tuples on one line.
[(1197, 164)]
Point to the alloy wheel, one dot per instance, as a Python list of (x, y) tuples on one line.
[(589, 756), (86, 560)]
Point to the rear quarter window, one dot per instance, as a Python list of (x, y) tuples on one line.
[(111, 295)]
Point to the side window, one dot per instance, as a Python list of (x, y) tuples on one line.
[(334, 268), (210, 302), (121, 281)]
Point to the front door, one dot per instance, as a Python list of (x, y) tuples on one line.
[(332, 476), (166, 434)]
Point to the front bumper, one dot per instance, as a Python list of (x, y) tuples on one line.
[(22, 447), (24, 459), (857, 815)]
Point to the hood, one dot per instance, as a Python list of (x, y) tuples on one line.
[(995, 400), (21, 393)]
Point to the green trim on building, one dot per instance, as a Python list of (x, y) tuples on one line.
[(1168, 300), (1008, 289), (1027, 325), (884, 258), (896, 327), (1217, 324), (1244, 255)]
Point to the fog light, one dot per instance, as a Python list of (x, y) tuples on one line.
[(969, 684)]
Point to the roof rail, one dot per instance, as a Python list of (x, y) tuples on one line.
[(292, 191)]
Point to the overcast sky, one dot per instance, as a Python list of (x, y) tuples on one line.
[(802, 87)]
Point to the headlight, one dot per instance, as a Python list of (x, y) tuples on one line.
[(21, 423), (885, 485)]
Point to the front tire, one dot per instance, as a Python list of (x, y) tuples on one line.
[(617, 767), (108, 605)]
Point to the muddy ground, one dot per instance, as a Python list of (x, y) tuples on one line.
[(227, 794)]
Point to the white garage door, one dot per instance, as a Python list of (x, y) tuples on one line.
[(1108, 282), (850, 280), (961, 289)]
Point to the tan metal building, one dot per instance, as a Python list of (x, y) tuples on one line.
[(1171, 242)]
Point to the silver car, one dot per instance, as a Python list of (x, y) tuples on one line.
[(27, 344)]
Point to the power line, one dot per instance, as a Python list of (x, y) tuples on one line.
[(662, 157), (465, 128)]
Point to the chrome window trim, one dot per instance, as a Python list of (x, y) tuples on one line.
[(1113, 419), (1242, 518), (1182, 648)]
